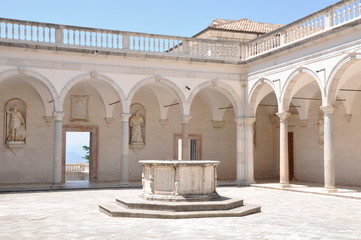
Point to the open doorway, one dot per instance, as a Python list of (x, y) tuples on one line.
[(195, 147), (80, 153), (77, 156)]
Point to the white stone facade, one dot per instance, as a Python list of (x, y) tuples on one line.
[(225, 95)]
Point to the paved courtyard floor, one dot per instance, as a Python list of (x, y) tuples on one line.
[(74, 214)]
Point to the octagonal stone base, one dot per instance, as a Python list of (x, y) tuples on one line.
[(131, 205)]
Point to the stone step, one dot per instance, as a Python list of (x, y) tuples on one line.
[(115, 210), (135, 202)]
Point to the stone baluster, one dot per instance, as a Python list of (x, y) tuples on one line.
[(328, 150), (185, 138), (124, 149), (284, 168), (58, 148)]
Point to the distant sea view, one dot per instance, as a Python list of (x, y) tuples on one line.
[(74, 146)]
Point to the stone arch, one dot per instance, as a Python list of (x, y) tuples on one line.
[(222, 88), (334, 78), (165, 82), (42, 85), (98, 86), (290, 88), (256, 94)]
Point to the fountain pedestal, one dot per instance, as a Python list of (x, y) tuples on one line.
[(178, 189), (179, 180)]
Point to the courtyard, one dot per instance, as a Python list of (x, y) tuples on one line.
[(74, 214)]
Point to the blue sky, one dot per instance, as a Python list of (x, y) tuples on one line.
[(180, 18)]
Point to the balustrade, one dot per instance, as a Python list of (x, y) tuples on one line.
[(76, 167), (111, 40), (318, 22)]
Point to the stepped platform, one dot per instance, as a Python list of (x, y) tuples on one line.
[(135, 206)]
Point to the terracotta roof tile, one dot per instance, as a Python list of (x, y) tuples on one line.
[(243, 25)]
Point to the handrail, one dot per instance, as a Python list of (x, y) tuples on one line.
[(46, 34), (113, 40), (323, 20)]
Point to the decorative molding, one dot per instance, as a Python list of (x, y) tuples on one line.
[(48, 120), (79, 108), (283, 116), (328, 110), (58, 116), (186, 119), (108, 121), (218, 124), (163, 122)]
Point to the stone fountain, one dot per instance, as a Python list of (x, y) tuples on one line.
[(178, 189)]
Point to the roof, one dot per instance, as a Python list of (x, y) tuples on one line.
[(243, 25)]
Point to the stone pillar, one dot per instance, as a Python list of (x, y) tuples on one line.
[(124, 149), (249, 133), (245, 160), (328, 150), (185, 139), (58, 148), (240, 154), (284, 168)]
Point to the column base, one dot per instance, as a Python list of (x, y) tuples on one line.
[(331, 189), (285, 185), (124, 184), (240, 183), (57, 186)]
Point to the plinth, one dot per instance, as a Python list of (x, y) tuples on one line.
[(179, 180)]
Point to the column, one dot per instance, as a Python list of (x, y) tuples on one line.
[(284, 168), (185, 139), (240, 157), (328, 154), (249, 143), (58, 148), (124, 149)]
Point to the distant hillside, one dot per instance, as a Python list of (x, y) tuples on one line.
[(75, 154)]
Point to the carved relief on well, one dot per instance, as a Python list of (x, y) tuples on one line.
[(137, 125), (15, 119), (79, 108)]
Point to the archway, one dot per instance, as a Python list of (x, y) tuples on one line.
[(93, 104), (344, 92), (156, 104), (213, 109), (303, 92), (24, 165), (264, 106)]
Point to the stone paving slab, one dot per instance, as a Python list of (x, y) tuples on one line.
[(75, 215)]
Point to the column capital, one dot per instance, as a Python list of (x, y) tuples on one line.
[(186, 119), (58, 116), (125, 117), (283, 116), (244, 83), (244, 121), (328, 110)]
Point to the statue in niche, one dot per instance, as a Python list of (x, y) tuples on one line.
[(320, 126), (15, 123), (136, 122), (136, 125)]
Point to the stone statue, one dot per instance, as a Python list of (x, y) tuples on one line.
[(136, 122), (320, 126), (16, 125)]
